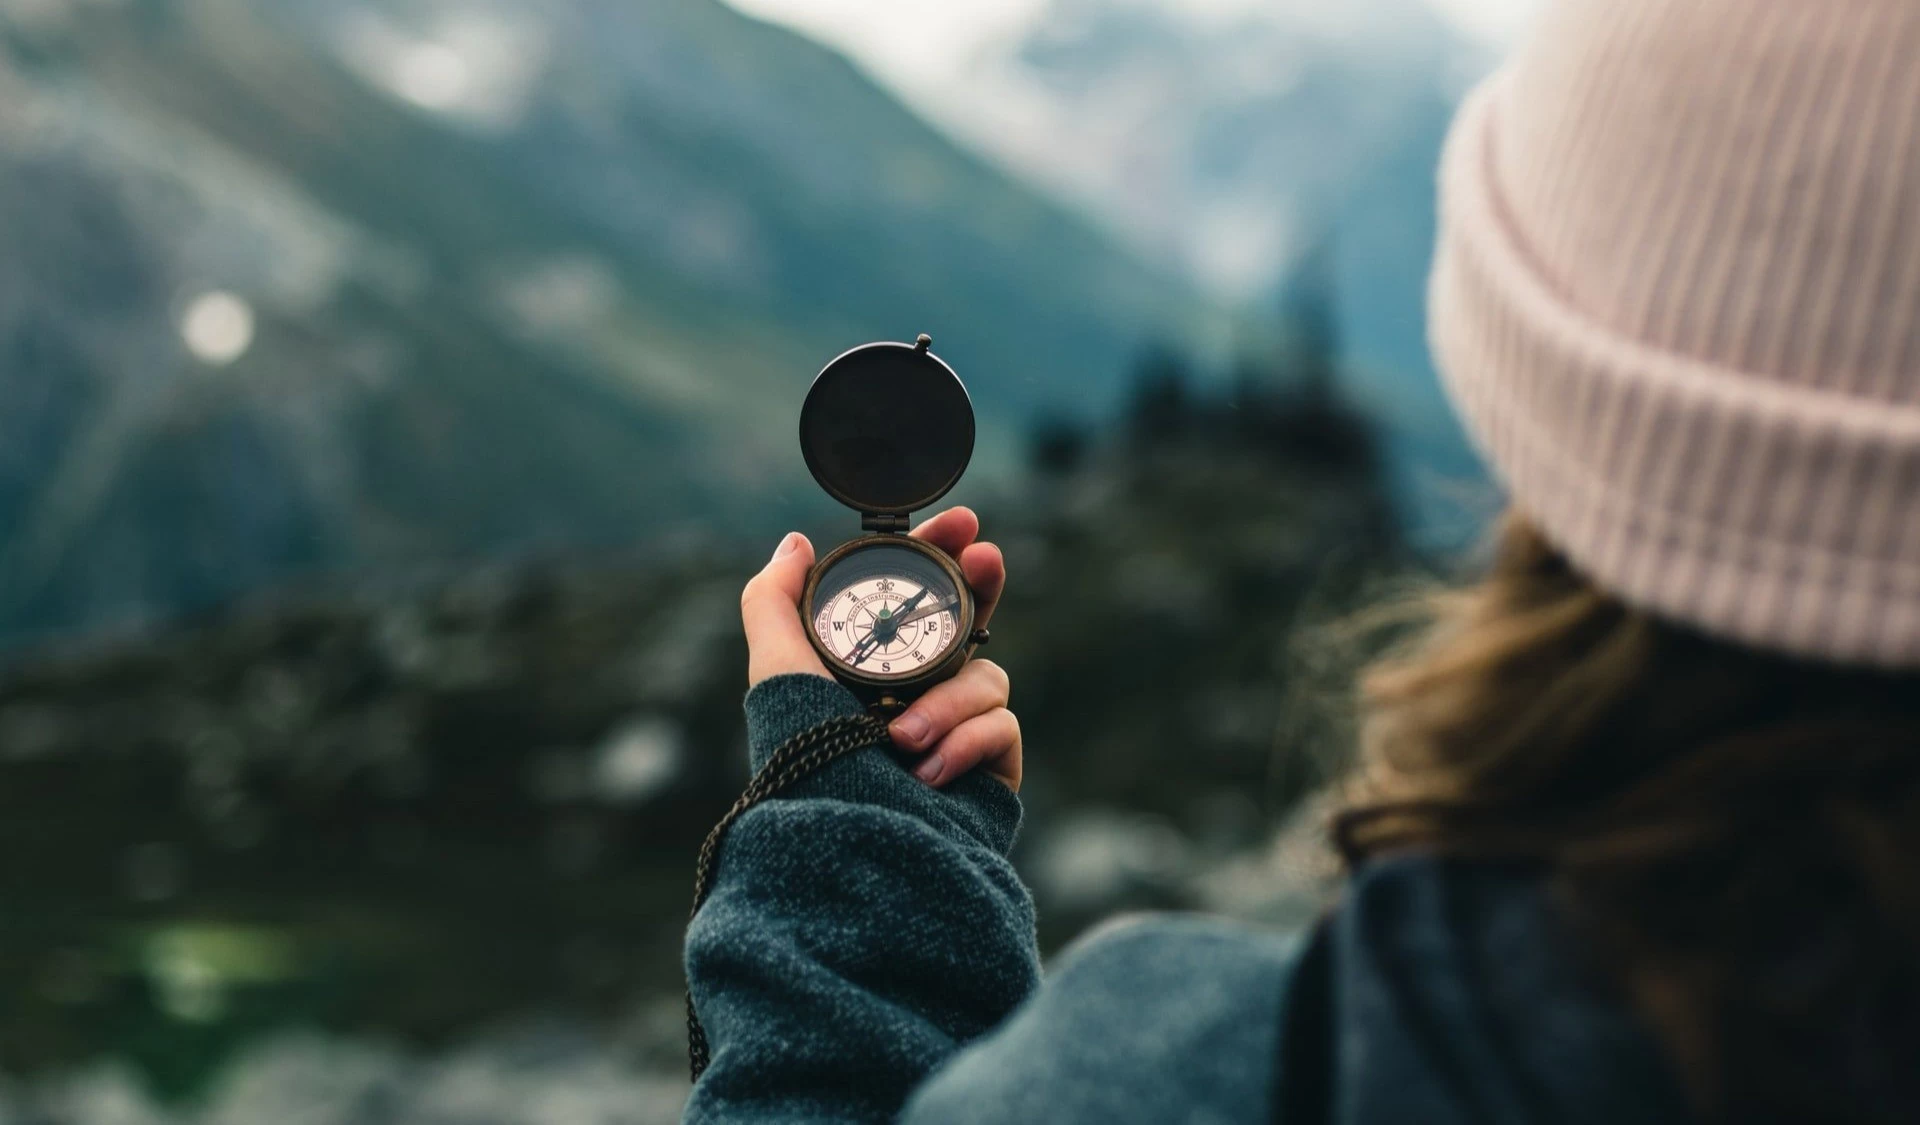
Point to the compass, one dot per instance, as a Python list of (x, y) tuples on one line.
[(887, 429)]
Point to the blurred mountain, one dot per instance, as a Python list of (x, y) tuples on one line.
[(314, 286), (1231, 138)]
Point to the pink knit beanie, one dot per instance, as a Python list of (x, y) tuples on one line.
[(1677, 302)]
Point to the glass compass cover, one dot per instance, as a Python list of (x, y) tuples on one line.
[(886, 612)]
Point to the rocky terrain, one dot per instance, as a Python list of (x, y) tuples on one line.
[(312, 848)]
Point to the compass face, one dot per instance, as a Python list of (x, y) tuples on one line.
[(887, 612)]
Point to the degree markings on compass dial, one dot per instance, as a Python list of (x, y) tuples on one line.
[(847, 622)]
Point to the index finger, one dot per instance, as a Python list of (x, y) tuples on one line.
[(954, 532), (986, 572), (951, 531)]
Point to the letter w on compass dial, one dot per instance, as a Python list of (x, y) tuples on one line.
[(887, 612)]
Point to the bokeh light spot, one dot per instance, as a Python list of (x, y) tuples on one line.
[(217, 327)]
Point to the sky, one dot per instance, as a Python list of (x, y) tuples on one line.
[(1495, 22), (916, 43)]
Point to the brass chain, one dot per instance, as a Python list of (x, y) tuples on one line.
[(796, 758)]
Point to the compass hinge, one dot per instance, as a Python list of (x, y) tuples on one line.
[(878, 522)]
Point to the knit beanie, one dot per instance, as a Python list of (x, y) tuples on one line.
[(1677, 302)]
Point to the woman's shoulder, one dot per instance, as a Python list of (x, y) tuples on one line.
[(1438, 991), (1150, 1018), (1172, 945)]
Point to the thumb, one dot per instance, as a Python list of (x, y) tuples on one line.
[(770, 611)]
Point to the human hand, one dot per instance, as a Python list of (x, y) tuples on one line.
[(958, 725), (962, 724)]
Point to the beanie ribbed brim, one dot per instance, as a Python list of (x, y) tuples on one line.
[(1770, 513)]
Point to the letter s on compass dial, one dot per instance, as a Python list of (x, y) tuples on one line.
[(891, 612)]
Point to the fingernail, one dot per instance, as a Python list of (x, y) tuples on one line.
[(930, 769), (787, 545), (910, 728)]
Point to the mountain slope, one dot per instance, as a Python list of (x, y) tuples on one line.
[(524, 276)]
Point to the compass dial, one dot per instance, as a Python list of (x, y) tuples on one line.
[(887, 612)]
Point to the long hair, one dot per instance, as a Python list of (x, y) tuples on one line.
[(1735, 834)]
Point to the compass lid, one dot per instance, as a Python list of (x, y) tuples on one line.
[(887, 428)]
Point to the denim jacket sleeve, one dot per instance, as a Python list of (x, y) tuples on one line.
[(861, 929)]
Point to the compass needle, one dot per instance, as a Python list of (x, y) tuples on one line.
[(943, 606)]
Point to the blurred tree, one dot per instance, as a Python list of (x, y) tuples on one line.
[(1158, 406), (1057, 447), (1288, 396), (1153, 628), (1309, 322)]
